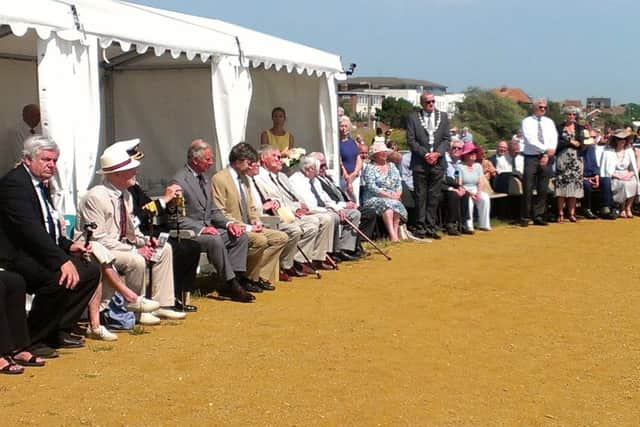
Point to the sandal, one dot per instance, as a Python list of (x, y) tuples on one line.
[(31, 361), (11, 368)]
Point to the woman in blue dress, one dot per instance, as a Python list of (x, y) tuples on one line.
[(383, 190)]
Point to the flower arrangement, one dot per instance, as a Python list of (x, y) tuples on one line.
[(292, 157)]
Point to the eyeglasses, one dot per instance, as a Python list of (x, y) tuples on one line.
[(542, 107), (571, 114), (456, 148), (429, 102), (323, 165)]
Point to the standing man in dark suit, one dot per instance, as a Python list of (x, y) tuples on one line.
[(223, 240), (428, 137), (62, 281)]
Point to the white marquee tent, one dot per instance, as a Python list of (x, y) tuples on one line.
[(106, 70)]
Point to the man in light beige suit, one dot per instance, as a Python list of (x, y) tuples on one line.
[(109, 205), (232, 194)]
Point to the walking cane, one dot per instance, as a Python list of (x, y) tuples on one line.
[(365, 237), (88, 235), (316, 272), (149, 289)]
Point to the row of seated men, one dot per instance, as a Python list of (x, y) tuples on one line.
[(315, 228)]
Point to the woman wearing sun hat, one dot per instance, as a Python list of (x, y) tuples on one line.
[(619, 165), (471, 174), (383, 190)]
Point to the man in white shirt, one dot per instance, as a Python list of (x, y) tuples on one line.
[(500, 160), (275, 185), (540, 140), (309, 188)]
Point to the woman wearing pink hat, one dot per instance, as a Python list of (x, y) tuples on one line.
[(471, 174)]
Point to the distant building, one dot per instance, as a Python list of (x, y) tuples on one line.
[(514, 94), (385, 83), (364, 95), (598, 103), (571, 103)]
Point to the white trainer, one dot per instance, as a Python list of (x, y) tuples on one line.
[(101, 333), (148, 319), (142, 305), (166, 313)]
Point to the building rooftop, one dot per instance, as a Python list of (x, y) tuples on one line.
[(513, 93), (392, 82)]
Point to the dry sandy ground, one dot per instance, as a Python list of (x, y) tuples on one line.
[(536, 326)]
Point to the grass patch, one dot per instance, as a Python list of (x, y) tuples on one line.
[(99, 348), (138, 330)]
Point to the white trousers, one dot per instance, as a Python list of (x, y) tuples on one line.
[(483, 204)]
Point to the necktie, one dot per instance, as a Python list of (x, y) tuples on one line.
[(123, 219), (316, 194), (279, 183), (262, 198), (203, 185), (430, 122), (540, 134), (244, 209), (51, 228)]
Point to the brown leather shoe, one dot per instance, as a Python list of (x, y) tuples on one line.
[(284, 277), (234, 292), (306, 268), (295, 272), (322, 265)]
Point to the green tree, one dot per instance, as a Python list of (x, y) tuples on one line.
[(489, 116), (394, 112), (609, 119), (632, 111), (346, 106)]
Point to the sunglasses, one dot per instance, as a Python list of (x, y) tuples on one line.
[(542, 107), (456, 148), (571, 114), (429, 102)]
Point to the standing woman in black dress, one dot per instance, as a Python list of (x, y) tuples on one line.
[(569, 165)]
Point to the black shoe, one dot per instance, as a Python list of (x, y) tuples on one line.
[(187, 308), (265, 285), (43, 350), (467, 231), (540, 221), (589, 215), (452, 230), (234, 291), (420, 233), (523, 222), (65, 340), (250, 286), (433, 234), (343, 256)]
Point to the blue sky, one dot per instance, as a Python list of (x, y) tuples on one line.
[(557, 49)]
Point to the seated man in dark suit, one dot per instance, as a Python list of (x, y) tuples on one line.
[(455, 196), (62, 281), (223, 240)]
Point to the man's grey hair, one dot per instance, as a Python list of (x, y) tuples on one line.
[(36, 143), (539, 101), (317, 155), (309, 161), (197, 148), (266, 149)]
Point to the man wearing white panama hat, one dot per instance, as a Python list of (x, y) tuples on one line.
[(109, 205)]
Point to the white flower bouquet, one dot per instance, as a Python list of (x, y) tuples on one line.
[(293, 157)]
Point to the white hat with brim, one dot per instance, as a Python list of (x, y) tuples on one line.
[(130, 146), (116, 160), (378, 147)]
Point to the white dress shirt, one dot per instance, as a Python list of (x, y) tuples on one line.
[(302, 185), (533, 146)]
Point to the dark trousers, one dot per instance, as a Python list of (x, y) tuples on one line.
[(14, 334), (535, 176), (457, 207), (368, 220), (427, 188), (606, 193), (55, 308), (186, 256), (587, 198)]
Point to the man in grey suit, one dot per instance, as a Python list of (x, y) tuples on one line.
[(224, 241), (428, 137)]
